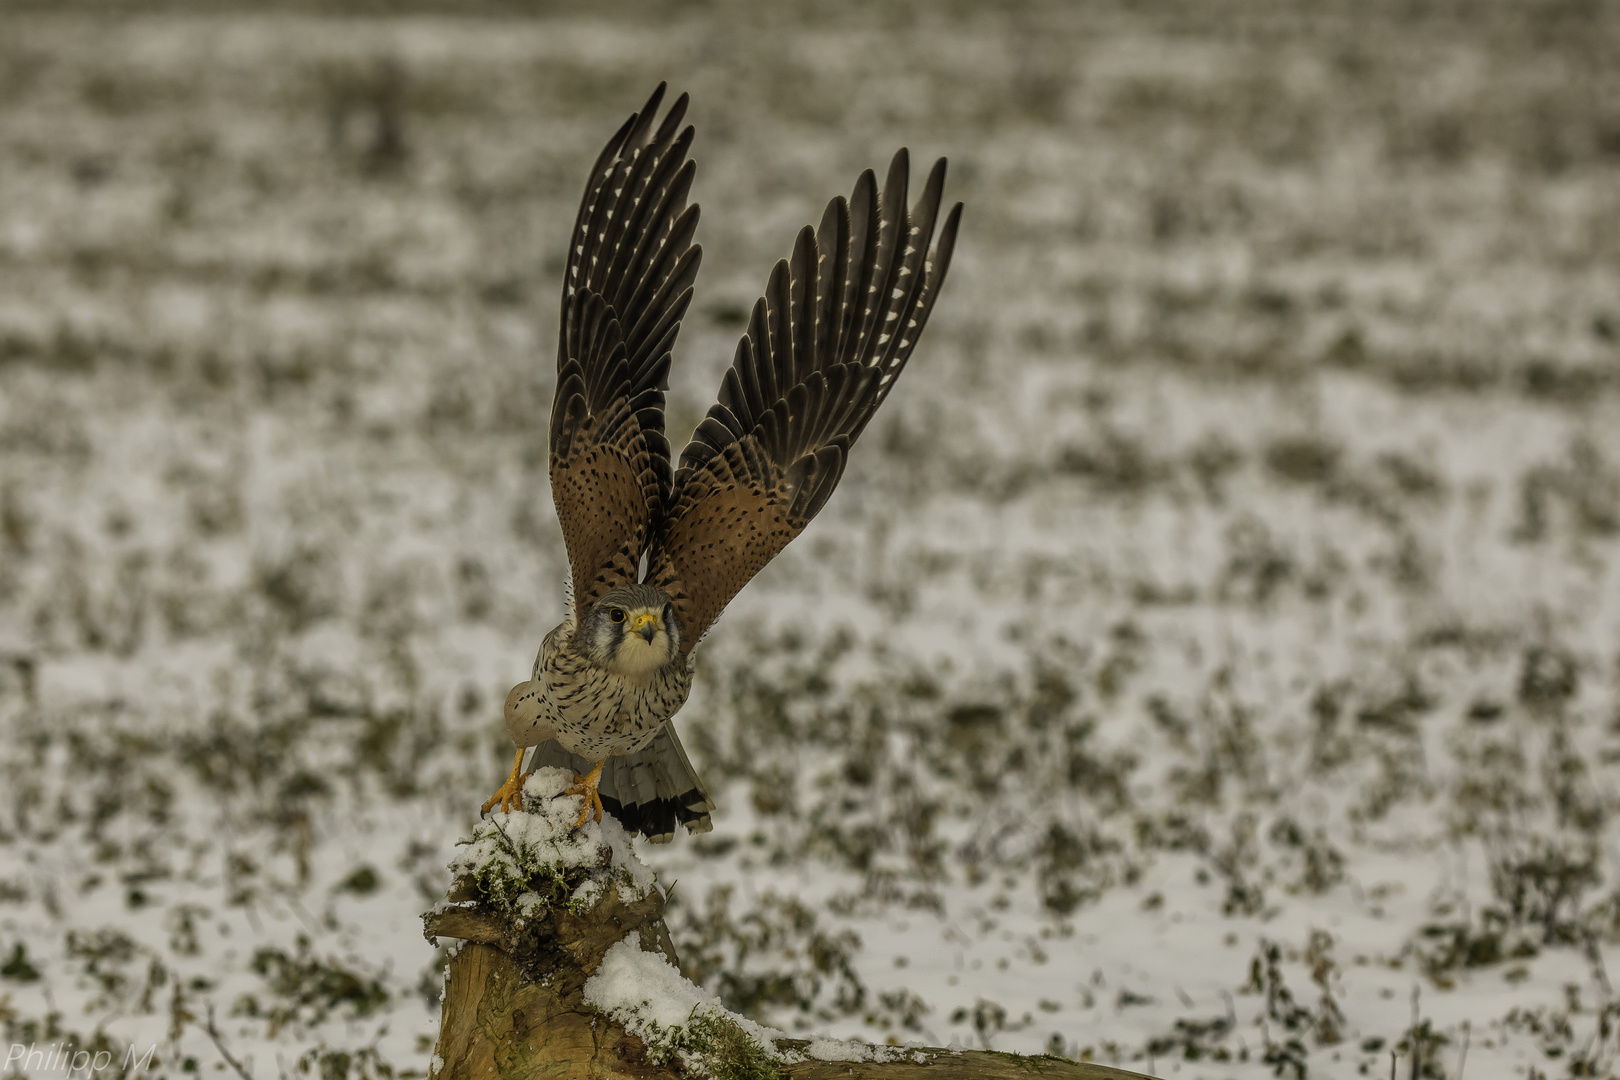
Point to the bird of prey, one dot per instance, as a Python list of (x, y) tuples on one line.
[(824, 344)]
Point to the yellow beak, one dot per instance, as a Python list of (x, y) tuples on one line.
[(646, 625)]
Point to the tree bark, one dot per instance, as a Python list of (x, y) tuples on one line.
[(514, 1006)]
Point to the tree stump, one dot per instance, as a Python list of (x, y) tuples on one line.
[(537, 909)]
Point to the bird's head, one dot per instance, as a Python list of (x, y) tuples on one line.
[(630, 630)]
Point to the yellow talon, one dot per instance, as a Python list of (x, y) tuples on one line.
[(510, 796), (586, 786)]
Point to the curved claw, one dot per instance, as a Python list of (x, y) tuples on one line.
[(586, 786), (510, 795)]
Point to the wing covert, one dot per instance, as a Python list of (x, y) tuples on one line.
[(836, 325), (628, 281)]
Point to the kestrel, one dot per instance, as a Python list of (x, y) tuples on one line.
[(824, 344)]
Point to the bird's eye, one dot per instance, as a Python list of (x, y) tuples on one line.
[(617, 614)]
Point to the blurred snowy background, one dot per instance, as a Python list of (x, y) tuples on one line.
[(1210, 662)]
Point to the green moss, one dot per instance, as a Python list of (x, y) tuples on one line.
[(710, 1044), (523, 879), (1035, 1064), (586, 898), (509, 883), (725, 1049)]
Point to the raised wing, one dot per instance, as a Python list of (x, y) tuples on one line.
[(823, 348), (631, 264)]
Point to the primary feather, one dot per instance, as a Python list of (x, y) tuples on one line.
[(836, 325), (628, 281)]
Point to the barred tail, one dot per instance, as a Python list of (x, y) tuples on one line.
[(648, 791)]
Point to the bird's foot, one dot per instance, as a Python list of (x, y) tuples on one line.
[(510, 796), (586, 786)]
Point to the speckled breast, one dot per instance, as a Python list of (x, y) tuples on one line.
[(600, 714)]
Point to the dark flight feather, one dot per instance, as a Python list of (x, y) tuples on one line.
[(627, 285), (837, 323)]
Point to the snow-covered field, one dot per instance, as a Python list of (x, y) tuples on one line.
[(1210, 662)]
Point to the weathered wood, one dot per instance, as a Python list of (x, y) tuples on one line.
[(514, 1007), (947, 1064), (500, 1022)]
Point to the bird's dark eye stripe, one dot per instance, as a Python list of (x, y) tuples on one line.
[(617, 615)]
